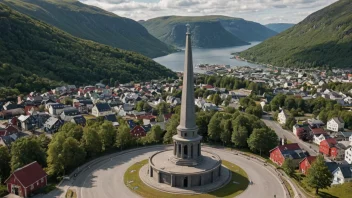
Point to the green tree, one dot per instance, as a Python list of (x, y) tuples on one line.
[(319, 176), (54, 159), (262, 141), (214, 127), (163, 108), (5, 168), (202, 121), (255, 110), (216, 99), (44, 141), (64, 154), (226, 131), (246, 102), (72, 130), (277, 102), (25, 151), (72, 154), (140, 106), (107, 134), (124, 137), (155, 134), (171, 128), (239, 136), (91, 141), (290, 103), (288, 166), (146, 107), (290, 122)]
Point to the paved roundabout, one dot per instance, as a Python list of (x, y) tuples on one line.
[(105, 177)]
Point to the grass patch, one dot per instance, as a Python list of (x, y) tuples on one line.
[(289, 188), (229, 190), (71, 194), (3, 190), (50, 187), (335, 191)]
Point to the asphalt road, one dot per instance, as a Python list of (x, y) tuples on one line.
[(105, 177), (311, 148)]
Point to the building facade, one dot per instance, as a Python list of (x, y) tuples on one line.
[(27, 179), (335, 124)]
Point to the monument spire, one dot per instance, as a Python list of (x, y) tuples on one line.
[(187, 117)]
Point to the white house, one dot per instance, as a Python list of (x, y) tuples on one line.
[(348, 155), (101, 109), (209, 107), (319, 138), (342, 174), (199, 102), (282, 116), (335, 124)]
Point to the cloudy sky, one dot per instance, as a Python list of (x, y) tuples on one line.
[(262, 11)]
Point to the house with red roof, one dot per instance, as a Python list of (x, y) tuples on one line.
[(319, 134), (305, 164), (138, 131), (27, 179), (333, 149), (328, 147), (279, 154)]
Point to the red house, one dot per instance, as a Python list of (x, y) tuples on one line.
[(282, 152), (25, 180), (305, 164), (327, 147), (10, 129), (138, 131)]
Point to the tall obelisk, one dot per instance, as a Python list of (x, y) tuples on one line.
[(187, 148)]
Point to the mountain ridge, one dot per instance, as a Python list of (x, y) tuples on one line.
[(323, 39), (170, 29), (92, 23), (35, 56), (279, 27)]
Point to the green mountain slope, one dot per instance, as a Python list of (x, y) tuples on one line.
[(35, 55), (207, 32), (165, 28), (92, 23), (322, 39), (246, 30), (279, 27)]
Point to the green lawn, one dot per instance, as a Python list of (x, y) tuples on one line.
[(289, 188), (335, 191), (229, 190)]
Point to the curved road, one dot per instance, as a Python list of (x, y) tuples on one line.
[(104, 179)]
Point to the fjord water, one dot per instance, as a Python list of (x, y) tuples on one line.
[(221, 56)]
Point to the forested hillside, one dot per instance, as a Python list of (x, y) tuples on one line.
[(323, 39), (92, 23), (207, 32), (35, 56), (279, 27)]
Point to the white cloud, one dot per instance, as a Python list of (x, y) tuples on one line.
[(263, 11)]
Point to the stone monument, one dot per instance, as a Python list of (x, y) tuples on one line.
[(186, 166)]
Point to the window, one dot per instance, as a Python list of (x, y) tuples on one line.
[(37, 183), (42, 180), (32, 187), (185, 134)]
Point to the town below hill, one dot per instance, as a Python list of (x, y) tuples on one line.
[(237, 109)]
